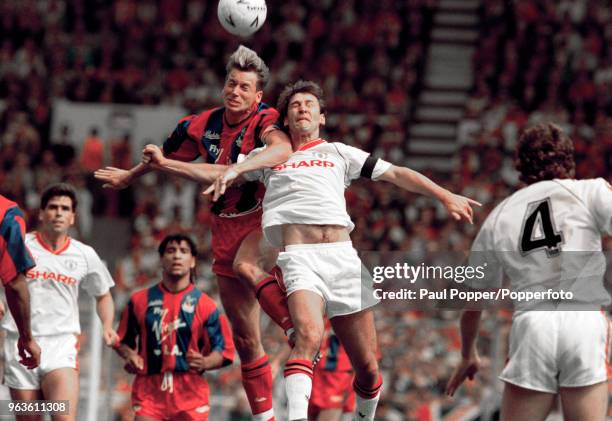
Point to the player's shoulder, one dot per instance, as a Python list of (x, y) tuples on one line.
[(85, 249), (264, 110)]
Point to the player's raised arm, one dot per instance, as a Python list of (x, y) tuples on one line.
[(118, 178), (278, 148), (459, 207), (200, 172)]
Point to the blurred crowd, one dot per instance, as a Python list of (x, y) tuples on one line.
[(534, 61)]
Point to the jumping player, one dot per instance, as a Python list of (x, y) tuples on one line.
[(170, 335), (534, 237), (62, 264), (15, 260), (221, 136), (305, 214)]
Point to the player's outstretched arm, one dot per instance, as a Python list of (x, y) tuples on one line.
[(277, 150), (18, 300), (105, 307), (459, 207), (153, 156), (470, 361), (117, 178)]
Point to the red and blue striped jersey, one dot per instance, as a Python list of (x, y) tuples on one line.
[(334, 357), (210, 136), (15, 257), (164, 326)]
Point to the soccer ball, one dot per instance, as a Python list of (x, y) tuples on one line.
[(242, 17)]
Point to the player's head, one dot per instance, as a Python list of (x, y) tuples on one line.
[(246, 77), (302, 107), (58, 205), (178, 255), (545, 152)]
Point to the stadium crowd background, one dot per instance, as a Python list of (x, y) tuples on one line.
[(534, 61)]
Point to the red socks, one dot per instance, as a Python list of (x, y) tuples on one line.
[(257, 383)]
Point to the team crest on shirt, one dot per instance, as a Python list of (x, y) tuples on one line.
[(188, 305), (70, 264), (320, 155)]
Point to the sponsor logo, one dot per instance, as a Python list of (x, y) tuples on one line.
[(306, 164), (155, 303), (212, 135), (163, 329), (51, 276), (260, 399)]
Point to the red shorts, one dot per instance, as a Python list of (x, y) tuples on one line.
[(331, 389), (227, 236), (174, 396)]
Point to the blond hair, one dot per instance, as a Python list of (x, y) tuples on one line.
[(247, 60)]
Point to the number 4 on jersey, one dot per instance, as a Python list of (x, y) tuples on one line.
[(539, 231)]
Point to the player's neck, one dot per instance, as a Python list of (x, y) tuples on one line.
[(234, 118), (299, 140), (54, 240), (174, 284)]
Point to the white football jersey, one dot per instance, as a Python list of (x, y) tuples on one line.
[(309, 188), (54, 285), (548, 235)]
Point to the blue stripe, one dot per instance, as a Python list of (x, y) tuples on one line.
[(214, 125), (215, 334), (11, 232), (332, 354), (189, 304), (154, 362)]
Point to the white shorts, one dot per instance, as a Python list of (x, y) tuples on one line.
[(57, 351), (332, 270), (554, 349)]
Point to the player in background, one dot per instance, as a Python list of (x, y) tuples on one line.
[(535, 237), (305, 214), (221, 136), (62, 264), (332, 383), (15, 260), (170, 334)]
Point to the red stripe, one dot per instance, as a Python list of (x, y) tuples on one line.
[(311, 144), (49, 249)]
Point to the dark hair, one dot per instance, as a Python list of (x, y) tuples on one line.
[(301, 86), (59, 189), (177, 238), (544, 152)]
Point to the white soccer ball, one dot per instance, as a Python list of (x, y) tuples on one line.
[(242, 17)]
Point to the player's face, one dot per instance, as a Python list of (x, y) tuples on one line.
[(58, 215), (240, 91), (304, 114), (177, 260)]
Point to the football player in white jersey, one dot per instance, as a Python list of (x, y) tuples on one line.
[(62, 264), (548, 235), (305, 215)]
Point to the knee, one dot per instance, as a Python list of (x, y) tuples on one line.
[(246, 345), (367, 373), (308, 338), (247, 270)]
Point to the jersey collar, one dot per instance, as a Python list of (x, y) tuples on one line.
[(311, 144), (44, 245)]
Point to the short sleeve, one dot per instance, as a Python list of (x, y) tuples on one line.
[(354, 158), (599, 202), (128, 326), (484, 258), (98, 279), (180, 145), (15, 257), (255, 175), (268, 122)]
